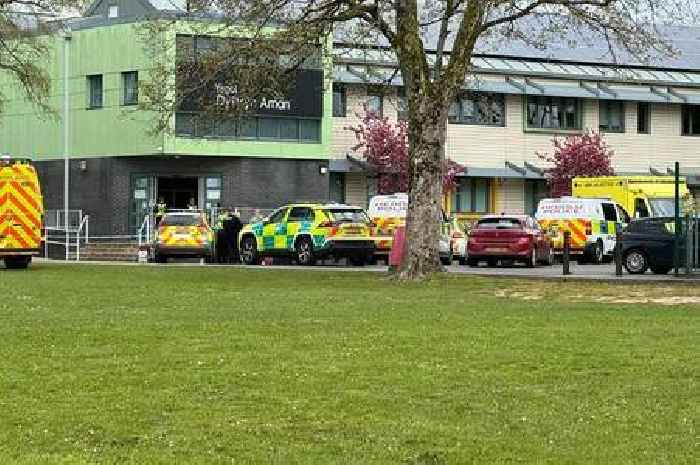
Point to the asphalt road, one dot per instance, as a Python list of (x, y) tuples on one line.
[(589, 272)]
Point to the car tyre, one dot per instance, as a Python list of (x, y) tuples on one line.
[(549, 259), (17, 263), (249, 251), (660, 269), (492, 262), (635, 262), (305, 252), (597, 253)]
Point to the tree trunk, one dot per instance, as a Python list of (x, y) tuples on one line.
[(426, 137)]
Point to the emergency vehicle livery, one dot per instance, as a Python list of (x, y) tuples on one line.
[(307, 232), (640, 196), (593, 224), (183, 234), (387, 212), (21, 212)]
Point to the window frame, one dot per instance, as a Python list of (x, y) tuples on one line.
[(611, 207), (604, 106), (401, 104), (110, 8), (473, 191), (309, 217), (578, 114), (686, 112), (135, 96), (341, 90), (91, 96), (373, 92), (198, 122), (478, 99), (647, 117)]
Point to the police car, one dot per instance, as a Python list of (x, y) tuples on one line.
[(183, 234), (307, 232)]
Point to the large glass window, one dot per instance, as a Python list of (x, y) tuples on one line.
[(478, 108), (611, 115), (262, 128), (94, 91), (553, 113), (339, 101), (643, 118), (375, 101), (130, 88), (471, 196), (691, 120), (535, 190)]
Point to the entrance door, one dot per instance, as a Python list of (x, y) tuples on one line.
[(178, 191), (142, 200)]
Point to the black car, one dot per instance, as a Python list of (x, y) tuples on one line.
[(648, 244)]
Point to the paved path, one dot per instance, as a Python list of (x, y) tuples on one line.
[(584, 272)]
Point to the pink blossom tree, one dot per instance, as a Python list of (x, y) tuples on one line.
[(584, 155), (384, 146)]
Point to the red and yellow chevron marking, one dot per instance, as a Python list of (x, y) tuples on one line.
[(181, 236), (21, 207), (577, 228), (383, 232)]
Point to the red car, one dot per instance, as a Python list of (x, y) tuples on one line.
[(508, 238)]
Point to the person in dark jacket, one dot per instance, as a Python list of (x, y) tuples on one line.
[(232, 227)]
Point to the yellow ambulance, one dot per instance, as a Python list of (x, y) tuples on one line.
[(21, 212), (640, 196)]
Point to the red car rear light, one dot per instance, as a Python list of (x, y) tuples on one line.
[(326, 224), (589, 228), (457, 235)]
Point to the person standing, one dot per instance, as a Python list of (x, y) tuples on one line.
[(160, 210), (192, 204), (232, 228), (222, 253)]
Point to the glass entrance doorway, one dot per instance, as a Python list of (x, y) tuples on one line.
[(177, 192)]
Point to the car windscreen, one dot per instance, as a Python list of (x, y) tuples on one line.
[(499, 223), (182, 220), (348, 216), (663, 207)]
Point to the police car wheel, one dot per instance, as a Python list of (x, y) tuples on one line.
[(249, 251), (305, 252), (636, 262), (19, 263)]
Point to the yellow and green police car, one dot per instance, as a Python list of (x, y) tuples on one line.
[(307, 232)]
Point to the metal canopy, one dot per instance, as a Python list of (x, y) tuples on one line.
[(514, 85)]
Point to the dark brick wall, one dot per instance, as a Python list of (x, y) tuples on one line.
[(103, 189)]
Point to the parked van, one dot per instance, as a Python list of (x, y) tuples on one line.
[(21, 212), (640, 196), (593, 224), (387, 212)]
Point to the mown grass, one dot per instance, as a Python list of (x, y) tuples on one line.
[(146, 365)]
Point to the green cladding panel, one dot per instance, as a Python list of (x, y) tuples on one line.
[(114, 129)]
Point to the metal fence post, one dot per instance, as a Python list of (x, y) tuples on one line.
[(677, 219), (688, 245), (566, 253), (618, 253)]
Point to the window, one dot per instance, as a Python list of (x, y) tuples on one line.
[(609, 213), (535, 190), (553, 113), (339, 101), (113, 11), (95, 91), (300, 214), (401, 104), (643, 118), (691, 120), (277, 216), (478, 108), (640, 208), (622, 215), (375, 102), (261, 128), (130, 87), (611, 115), (471, 195)]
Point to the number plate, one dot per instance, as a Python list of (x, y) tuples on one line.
[(497, 249)]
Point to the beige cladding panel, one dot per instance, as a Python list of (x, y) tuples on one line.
[(491, 147), (356, 189), (510, 196)]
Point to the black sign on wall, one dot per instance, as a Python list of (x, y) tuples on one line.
[(304, 97)]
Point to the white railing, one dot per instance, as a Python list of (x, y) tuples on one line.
[(66, 234), (145, 234)]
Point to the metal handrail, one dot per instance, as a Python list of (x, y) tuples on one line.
[(145, 231), (85, 228)]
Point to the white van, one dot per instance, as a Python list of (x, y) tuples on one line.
[(593, 224)]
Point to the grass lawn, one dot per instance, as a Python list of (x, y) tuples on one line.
[(147, 365)]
